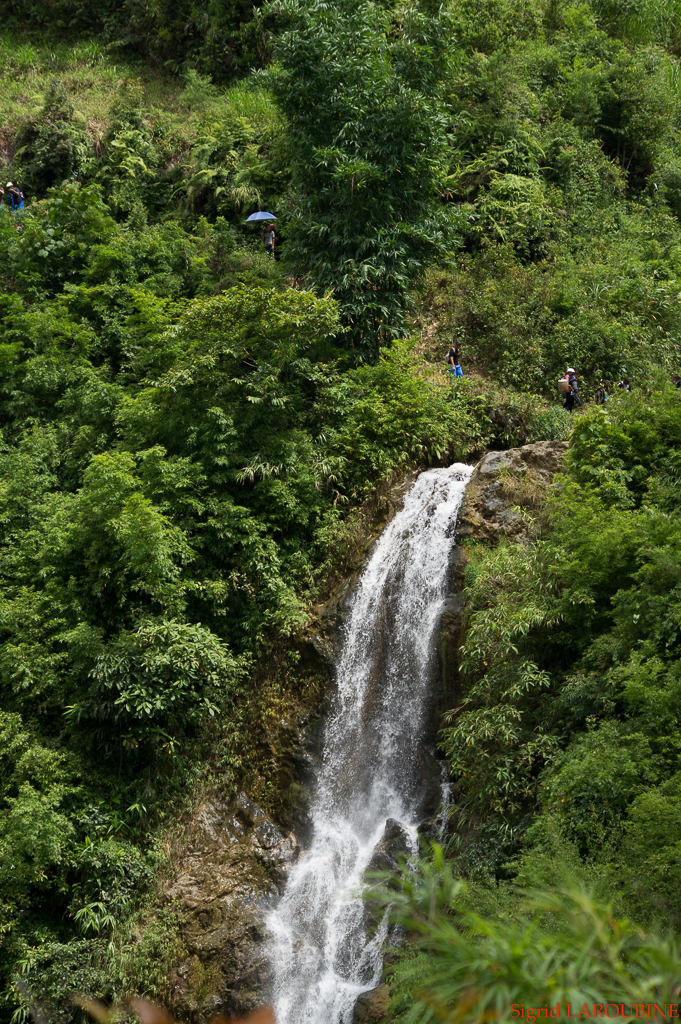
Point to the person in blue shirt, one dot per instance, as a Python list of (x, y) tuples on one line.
[(16, 197), (454, 361)]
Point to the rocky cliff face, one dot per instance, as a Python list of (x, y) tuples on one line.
[(502, 486), (227, 874)]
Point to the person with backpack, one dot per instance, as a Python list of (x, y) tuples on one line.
[(625, 384), (602, 396), (676, 380), (454, 360), (16, 197), (572, 393)]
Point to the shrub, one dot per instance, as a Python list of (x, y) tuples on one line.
[(549, 947), (52, 148)]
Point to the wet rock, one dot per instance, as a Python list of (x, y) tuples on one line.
[(431, 773), (494, 496), (394, 843), (304, 760), (270, 845), (446, 692), (227, 875), (324, 632), (372, 1006)]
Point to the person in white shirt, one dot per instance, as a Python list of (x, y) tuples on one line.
[(269, 239)]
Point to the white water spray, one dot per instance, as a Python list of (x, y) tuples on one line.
[(372, 767)]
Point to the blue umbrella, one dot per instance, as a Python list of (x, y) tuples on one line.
[(261, 215)]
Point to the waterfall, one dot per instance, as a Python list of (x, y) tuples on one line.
[(372, 763)]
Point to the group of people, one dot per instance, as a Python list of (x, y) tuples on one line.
[(568, 384), (15, 196)]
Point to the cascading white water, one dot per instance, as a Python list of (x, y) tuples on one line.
[(372, 765)]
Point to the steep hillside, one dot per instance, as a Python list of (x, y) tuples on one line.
[(191, 430)]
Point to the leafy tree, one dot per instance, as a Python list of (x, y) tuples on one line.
[(218, 37), (571, 658), (54, 246), (37, 834), (158, 682), (129, 169), (362, 92), (73, 16)]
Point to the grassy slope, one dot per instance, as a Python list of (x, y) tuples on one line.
[(96, 82)]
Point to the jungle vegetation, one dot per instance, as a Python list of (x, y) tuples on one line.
[(562, 872), (191, 433)]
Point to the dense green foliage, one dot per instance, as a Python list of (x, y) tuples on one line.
[(572, 661), (482, 955), (363, 94), (186, 437), (539, 150), (564, 748), (177, 462), (215, 36)]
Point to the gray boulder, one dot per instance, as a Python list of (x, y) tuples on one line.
[(393, 844)]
